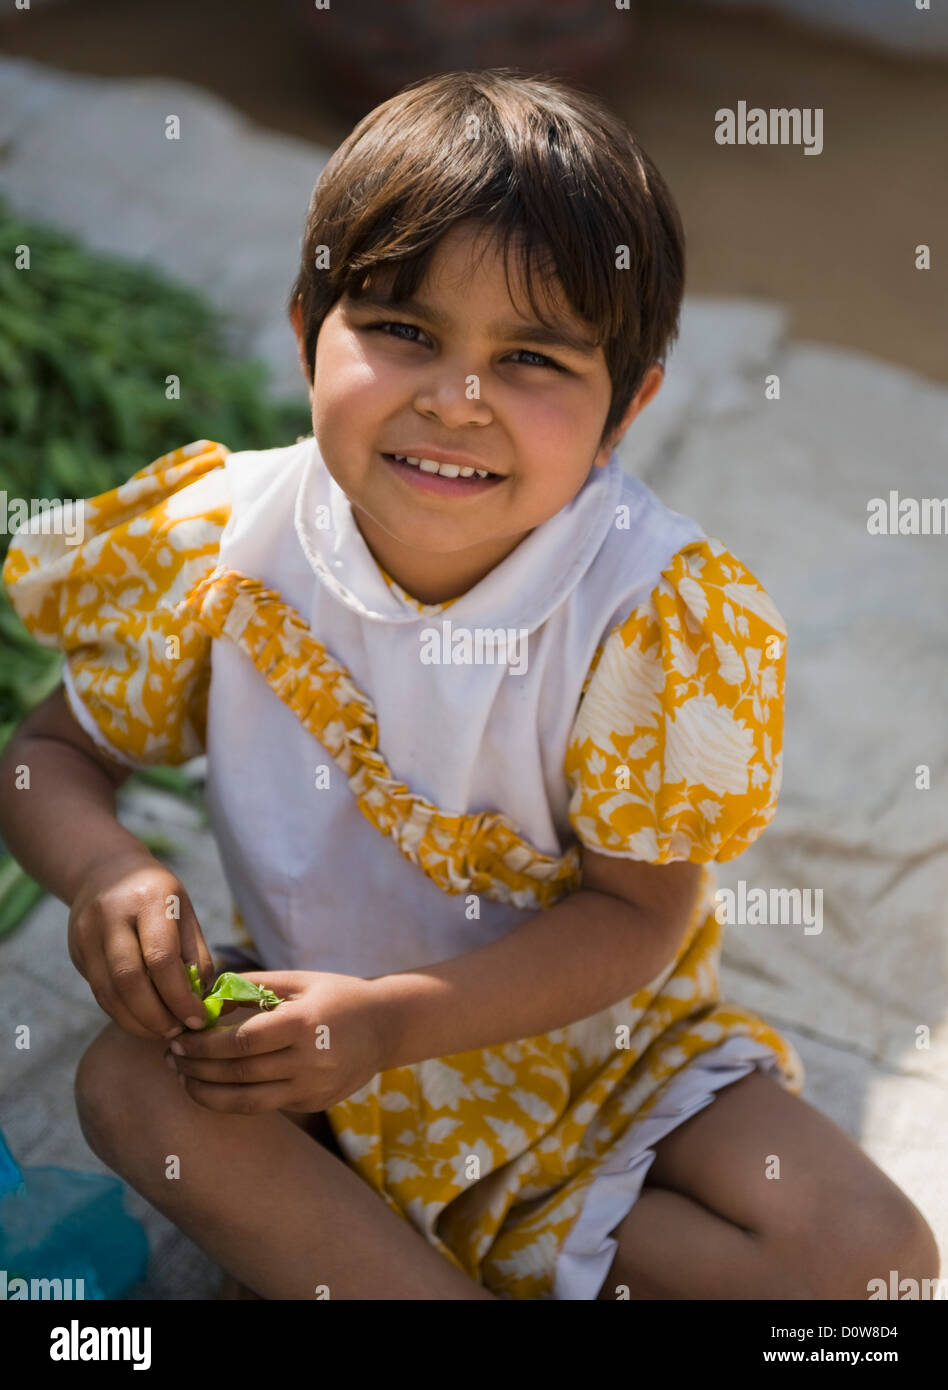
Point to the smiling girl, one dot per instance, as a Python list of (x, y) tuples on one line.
[(485, 895)]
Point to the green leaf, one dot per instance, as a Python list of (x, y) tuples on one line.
[(231, 987)]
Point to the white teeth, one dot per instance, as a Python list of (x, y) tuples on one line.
[(446, 470)]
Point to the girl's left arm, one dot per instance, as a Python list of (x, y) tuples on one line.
[(595, 947)]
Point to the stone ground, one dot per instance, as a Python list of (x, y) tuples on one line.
[(783, 483)]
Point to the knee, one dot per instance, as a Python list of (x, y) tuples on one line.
[(862, 1244), (108, 1079), (906, 1244)]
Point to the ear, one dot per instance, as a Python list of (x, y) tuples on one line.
[(296, 319), (651, 385)]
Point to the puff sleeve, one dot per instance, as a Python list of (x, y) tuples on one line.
[(676, 752), (136, 677)]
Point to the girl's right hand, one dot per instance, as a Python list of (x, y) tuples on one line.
[(126, 940)]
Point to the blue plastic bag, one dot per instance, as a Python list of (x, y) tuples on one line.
[(58, 1224)]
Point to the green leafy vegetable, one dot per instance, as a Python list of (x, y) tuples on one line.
[(19, 894), (230, 986), (87, 344)]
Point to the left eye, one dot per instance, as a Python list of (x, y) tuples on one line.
[(541, 359)]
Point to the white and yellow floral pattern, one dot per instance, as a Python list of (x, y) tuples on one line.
[(142, 676), (675, 753), (489, 1153)]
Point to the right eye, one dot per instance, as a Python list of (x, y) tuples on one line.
[(391, 323)]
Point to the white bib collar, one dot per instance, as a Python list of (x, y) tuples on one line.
[(519, 593)]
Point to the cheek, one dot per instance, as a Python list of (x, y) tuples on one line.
[(347, 382), (553, 429), (346, 398)]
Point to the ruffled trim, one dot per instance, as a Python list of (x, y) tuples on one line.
[(587, 1253), (481, 853)]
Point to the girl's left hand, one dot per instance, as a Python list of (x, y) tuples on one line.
[(326, 1040)]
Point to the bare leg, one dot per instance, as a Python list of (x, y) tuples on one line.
[(317, 1126), (717, 1218), (233, 1290), (682, 1250), (279, 1212)]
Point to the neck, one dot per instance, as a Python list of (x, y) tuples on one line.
[(433, 577)]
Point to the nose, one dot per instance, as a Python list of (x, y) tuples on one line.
[(453, 397)]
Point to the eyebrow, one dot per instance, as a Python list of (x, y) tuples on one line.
[(561, 336)]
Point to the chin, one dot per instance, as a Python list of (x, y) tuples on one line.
[(436, 540)]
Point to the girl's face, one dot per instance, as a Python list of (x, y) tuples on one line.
[(460, 371)]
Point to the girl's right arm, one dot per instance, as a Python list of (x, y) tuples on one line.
[(124, 937)]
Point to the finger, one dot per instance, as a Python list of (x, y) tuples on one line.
[(240, 1100), (264, 1032), (130, 982), (239, 1071), (160, 946), (76, 954), (193, 945), (288, 984), (105, 995)]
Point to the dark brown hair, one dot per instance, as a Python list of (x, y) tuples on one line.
[(530, 157)]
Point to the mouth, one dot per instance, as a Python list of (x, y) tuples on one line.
[(444, 479)]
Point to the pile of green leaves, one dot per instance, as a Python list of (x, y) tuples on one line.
[(86, 344)]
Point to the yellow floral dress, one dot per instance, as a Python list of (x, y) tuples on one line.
[(515, 1161)]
